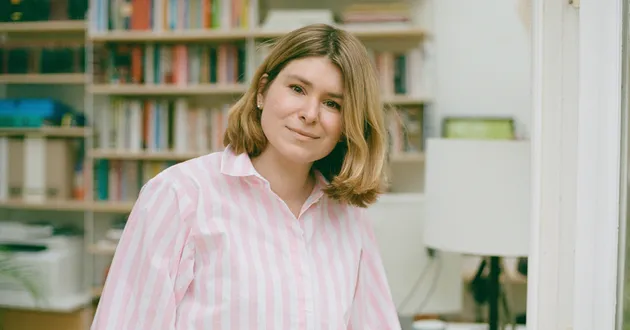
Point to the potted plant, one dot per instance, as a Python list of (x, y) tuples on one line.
[(14, 273)]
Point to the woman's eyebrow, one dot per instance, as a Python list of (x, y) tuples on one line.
[(310, 84)]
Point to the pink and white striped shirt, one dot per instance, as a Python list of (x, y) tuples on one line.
[(208, 245)]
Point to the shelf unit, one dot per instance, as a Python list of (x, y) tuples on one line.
[(93, 212), (65, 87), (99, 93)]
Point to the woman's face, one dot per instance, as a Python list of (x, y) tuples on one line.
[(301, 110)]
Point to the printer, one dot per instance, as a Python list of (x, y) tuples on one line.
[(52, 263)]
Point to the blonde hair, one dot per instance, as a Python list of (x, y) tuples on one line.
[(355, 168)]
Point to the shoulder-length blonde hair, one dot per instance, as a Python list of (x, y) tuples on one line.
[(355, 168)]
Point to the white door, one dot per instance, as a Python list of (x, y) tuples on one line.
[(577, 155)]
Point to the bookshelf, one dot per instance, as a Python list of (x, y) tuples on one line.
[(207, 96), (44, 59), (105, 95)]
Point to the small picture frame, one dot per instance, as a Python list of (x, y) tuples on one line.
[(500, 128)]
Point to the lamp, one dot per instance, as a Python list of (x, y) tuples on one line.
[(478, 202)]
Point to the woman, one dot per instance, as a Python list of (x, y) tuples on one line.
[(270, 233)]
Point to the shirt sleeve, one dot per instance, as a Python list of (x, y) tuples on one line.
[(373, 307), (152, 266)]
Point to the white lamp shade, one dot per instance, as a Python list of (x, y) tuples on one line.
[(478, 196)]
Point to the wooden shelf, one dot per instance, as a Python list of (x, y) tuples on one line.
[(48, 27), (218, 35), (175, 156), (404, 100), (212, 89), (59, 132), (68, 206), (111, 207), (143, 155), (167, 90), (362, 33), (51, 205), (407, 158), (44, 78), (401, 198), (102, 251), (171, 36)]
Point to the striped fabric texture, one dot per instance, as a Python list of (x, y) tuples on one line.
[(208, 245)]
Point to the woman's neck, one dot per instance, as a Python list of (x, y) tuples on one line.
[(290, 181)]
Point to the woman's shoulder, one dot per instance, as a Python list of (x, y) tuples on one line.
[(188, 176), (345, 211)]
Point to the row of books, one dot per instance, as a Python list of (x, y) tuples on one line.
[(399, 72), (370, 13), (179, 64), (38, 169), (42, 57), (182, 64), (182, 126), (405, 128), (161, 125), (169, 15), (121, 180), (42, 10), (392, 72)]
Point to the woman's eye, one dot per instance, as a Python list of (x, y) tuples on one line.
[(297, 89), (333, 104)]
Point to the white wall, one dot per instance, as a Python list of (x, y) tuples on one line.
[(482, 60), (398, 222), (480, 57)]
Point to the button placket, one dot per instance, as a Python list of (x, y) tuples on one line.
[(308, 278)]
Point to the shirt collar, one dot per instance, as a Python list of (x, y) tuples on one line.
[(241, 166), (236, 165)]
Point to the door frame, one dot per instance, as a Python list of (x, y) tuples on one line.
[(576, 161), (599, 164)]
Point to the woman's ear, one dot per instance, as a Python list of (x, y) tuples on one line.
[(262, 84)]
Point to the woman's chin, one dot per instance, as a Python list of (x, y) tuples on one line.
[(301, 154)]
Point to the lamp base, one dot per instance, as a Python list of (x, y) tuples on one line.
[(489, 290), (493, 293)]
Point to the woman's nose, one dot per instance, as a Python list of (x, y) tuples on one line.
[(310, 112)]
